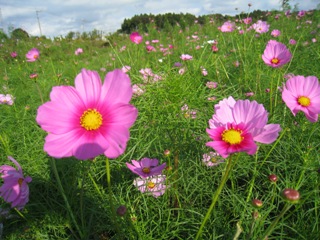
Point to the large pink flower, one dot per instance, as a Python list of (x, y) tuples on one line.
[(146, 167), (237, 125), (303, 94), (89, 119), (33, 55), (15, 189), (136, 38), (276, 54)]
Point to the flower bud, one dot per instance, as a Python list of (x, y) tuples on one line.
[(273, 178), (121, 211), (291, 195), (257, 203)]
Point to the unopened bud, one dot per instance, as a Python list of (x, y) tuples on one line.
[(257, 203), (121, 211), (273, 178), (291, 195)]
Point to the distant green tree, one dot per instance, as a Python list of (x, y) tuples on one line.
[(3, 36), (19, 33)]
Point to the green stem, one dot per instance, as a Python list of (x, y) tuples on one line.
[(114, 216), (55, 171), (274, 223), (216, 196)]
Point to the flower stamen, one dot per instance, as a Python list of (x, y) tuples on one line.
[(232, 136), (146, 170), (304, 101), (91, 119), (275, 60), (151, 185)]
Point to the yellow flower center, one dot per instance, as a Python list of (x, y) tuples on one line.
[(275, 60), (91, 119), (213, 160), (151, 185), (35, 56), (20, 181), (146, 170), (304, 101), (232, 136)]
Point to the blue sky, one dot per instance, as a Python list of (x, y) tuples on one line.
[(58, 17)]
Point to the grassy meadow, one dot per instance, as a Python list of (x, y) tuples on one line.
[(72, 199)]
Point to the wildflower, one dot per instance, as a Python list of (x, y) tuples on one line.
[(301, 13), (150, 48), (247, 20), (212, 159), (211, 84), (204, 71), (137, 90), (261, 26), (136, 38), (33, 75), (211, 98), (249, 94), (275, 33), (125, 69), (185, 57), (15, 189), (6, 99), (89, 119), (14, 54), (78, 51), (292, 41), (146, 167), (276, 54), (303, 94), (177, 64), (237, 125), (227, 27), (214, 48), (314, 40), (182, 71), (154, 185), (33, 55)]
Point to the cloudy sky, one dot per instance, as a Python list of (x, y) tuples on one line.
[(58, 17)]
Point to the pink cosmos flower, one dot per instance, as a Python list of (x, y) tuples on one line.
[(154, 185), (89, 119), (261, 26), (292, 41), (78, 51), (125, 69), (275, 33), (150, 48), (212, 84), (214, 48), (14, 54), (136, 38), (137, 90), (276, 54), (182, 71), (6, 99), (33, 55), (146, 167), (15, 189), (212, 159), (185, 57), (247, 20), (237, 125), (227, 27), (303, 94)]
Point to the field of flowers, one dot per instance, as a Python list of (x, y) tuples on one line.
[(205, 133)]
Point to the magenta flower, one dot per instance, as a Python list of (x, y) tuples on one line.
[(247, 20), (303, 94), (146, 167), (261, 26), (237, 125), (292, 41), (89, 119), (154, 185), (33, 55), (15, 189), (136, 38), (276, 54), (14, 54)]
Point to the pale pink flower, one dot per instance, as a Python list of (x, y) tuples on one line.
[(14, 54), (292, 41), (154, 185), (212, 159), (136, 38), (249, 94), (182, 71), (146, 167), (204, 72), (261, 26), (185, 57), (314, 40), (7, 99), (78, 51), (211, 84), (275, 33), (276, 54), (15, 189), (33, 55), (227, 27), (89, 119), (303, 94), (137, 90), (237, 125), (247, 20), (214, 48), (125, 69)]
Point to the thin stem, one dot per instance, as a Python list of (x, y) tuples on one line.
[(216, 196), (55, 171), (114, 216), (274, 223)]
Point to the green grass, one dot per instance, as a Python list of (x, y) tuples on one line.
[(161, 125)]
